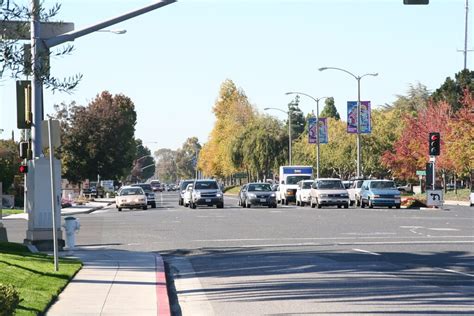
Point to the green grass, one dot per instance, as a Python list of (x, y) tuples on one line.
[(233, 190), (462, 195), (33, 276), (9, 211)]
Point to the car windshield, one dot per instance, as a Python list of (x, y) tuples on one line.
[(131, 191), (145, 187), (206, 185), (296, 179), (260, 187), (358, 184), (184, 184), (307, 185), (330, 184), (382, 185)]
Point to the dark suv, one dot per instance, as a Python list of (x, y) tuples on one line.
[(150, 195), (206, 192)]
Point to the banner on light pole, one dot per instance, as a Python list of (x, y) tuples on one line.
[(313, 130), (323, 130), (365, 121)]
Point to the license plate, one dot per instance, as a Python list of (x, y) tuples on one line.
[(263, 200), (208, 200)]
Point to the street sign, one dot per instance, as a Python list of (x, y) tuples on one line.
[(434, 197), (421, 172), (240, 175)]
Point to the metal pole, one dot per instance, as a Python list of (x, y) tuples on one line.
[(434, 171), (289, 136), (317, 138), (465, 35), (53, 195), (37, 50), (358, 127)]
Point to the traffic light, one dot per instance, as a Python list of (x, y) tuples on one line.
[(23, 169), (434, 144), (416, 1), (24, 150)]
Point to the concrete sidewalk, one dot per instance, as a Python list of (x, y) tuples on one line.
[(114, 282)]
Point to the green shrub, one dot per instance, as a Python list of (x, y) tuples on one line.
[(9, 300)]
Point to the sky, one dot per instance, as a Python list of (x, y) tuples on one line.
[(172, 61)]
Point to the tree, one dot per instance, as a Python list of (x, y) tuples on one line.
[(12, 51), (9, 163), (99, 139), (187, 158), (260, 148), (144, 163), (330, 109), (297, 118), (452, 91), (166, 169), (233, 111)]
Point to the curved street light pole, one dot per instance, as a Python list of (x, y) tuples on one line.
[(289, 130), (358, 78), (317, 125)]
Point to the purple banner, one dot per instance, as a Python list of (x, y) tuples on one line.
[(312, 136), (323, 130), (365, 125)]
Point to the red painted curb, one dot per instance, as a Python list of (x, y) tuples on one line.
[(162, 301)]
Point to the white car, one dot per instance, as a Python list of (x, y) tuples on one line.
[(329, 191), (471, 196), (188, 194), (131, 197), (303, 192)]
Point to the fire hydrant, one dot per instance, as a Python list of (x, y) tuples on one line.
[(71, 225)]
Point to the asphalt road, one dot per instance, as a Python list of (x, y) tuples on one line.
[(297, 260)]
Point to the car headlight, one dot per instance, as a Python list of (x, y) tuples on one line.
[(345, 195), (323, 195), (272, 195), (141, 200), (218, 195), (375, 196), (252, 195)]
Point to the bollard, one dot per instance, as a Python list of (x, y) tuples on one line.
[(71, 225)]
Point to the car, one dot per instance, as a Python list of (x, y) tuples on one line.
[(206, 192), (150, 195), (156, 185), (131, 197), (241, 194), (259, 194), (354, 192), (471, 196), (187, 196), (328, 191), (303, 192), (182, 189), (94, 190), (379, 193), (276, 189)]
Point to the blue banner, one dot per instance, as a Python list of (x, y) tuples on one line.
[(365, 124)]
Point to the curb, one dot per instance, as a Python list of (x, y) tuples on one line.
[(162, 299)]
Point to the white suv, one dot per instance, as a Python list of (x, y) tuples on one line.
[(303, 192), (329, 191)]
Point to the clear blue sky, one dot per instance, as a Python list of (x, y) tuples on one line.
[(172, 61)]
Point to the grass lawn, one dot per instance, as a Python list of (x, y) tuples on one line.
[(33, 275), (462, 195), (9, 211), (233, 190)]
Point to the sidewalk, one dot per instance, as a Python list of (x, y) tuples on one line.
[(115, 282)]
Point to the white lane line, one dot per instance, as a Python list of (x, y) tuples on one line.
[(327, 238), (367, 252), (445, 229), (456, 272)]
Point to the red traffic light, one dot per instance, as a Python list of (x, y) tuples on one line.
[(434, 137), (23, 169)]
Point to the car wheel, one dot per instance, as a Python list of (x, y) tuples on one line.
[(220, 205), (286, 201), (390, 206), (193, 205), (339, 206), (119, 209), (297, 203), (317, 204), (351, 203), (371, 205), (275, 205), (180, 201), (397, 206), (244, 204), (358, 202), (346, 205), (145, 207), (153, 205)]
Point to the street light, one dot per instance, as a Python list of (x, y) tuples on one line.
[(317, 125), (113, 31), (358, 108), (289, 130)]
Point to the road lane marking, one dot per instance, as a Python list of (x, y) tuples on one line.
[(325, 238), (367, 252), (445, 229)]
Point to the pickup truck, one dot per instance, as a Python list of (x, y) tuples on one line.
[(94, 190)]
